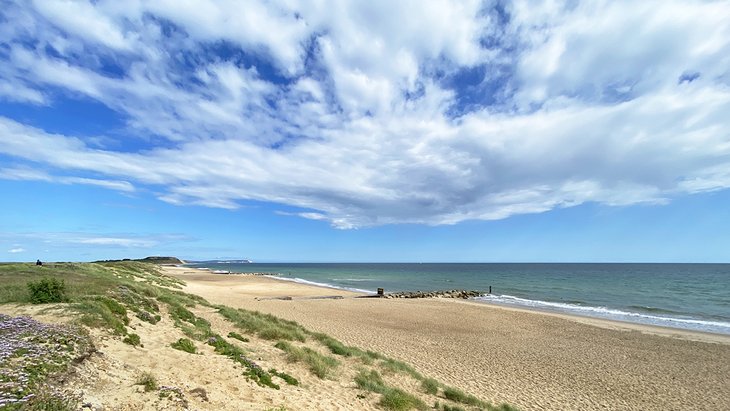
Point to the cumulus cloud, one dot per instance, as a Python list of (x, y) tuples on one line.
[(376, 113)]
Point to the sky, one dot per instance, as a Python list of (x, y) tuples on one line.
[(378, 131)]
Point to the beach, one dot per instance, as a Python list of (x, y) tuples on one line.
[(533, 360)]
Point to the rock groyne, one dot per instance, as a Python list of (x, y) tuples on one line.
[(463, 294)]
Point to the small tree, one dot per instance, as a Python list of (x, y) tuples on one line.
[(47, 290)]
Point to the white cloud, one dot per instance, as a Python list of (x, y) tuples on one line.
[(29, 174), (16, 250), (367, 128)]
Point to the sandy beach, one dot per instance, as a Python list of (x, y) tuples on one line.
[(532, 360)]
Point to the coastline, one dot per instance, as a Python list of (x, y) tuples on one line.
[(535, 360), (607, 323)]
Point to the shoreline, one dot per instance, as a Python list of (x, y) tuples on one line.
[(533, 360), (606, 323)]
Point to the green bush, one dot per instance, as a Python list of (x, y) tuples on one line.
[(132, 339), (148, 381), (47, 290), (184, 344)]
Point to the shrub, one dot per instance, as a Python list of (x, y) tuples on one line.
[(184, 344), (132, 339), (148, 381), (47, 290)]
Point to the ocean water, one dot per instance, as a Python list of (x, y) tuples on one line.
[(687, 296)]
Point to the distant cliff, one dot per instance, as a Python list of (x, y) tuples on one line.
[(153, 260)]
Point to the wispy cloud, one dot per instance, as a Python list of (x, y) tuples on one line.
[(16, 250), (468, 111)]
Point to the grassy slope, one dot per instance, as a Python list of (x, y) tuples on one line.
[(107, 293)]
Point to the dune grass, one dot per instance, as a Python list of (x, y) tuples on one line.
[(320, 365), (391, 398), (184, 344)]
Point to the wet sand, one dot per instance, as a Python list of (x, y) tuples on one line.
[(533, 360)]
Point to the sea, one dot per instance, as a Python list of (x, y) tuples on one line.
[(686, 296)]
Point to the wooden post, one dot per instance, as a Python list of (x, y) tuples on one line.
[(380, 292)]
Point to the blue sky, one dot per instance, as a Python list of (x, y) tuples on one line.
[(365, 131)]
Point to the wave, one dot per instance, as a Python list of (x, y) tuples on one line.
[(317, 284), (612, 314)]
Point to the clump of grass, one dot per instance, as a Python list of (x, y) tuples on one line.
[(396, 366), (370, 381), (237, 336), (184, 344), (47, 290), (456, 395), (253, 370), (392, 398), (430, 386), (95, 313), (132, 339), (284, 376), (320, 365), (148, 381), (191, 325), (397, 399), (265, 326)]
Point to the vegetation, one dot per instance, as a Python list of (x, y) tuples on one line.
[(148, 381), (320, 365), (132, 339), (237, 336), (392, 398), (47, 290), (284, 376), (184, 344), (456, 395), (30, 353), (430, 386), (266, 326)]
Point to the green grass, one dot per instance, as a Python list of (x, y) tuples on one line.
[(132, 339), (430, 386), (392, 398), (456, 395), (320, 365), (148, 381), (253, 370), (183, 344), (266, 326), (284, 376), (395, 366)]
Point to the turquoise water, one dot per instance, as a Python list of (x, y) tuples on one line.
[(688, 296)]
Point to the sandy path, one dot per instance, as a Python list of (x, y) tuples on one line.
[(531, 360)]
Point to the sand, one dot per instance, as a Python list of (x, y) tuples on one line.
[(532, 360)]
